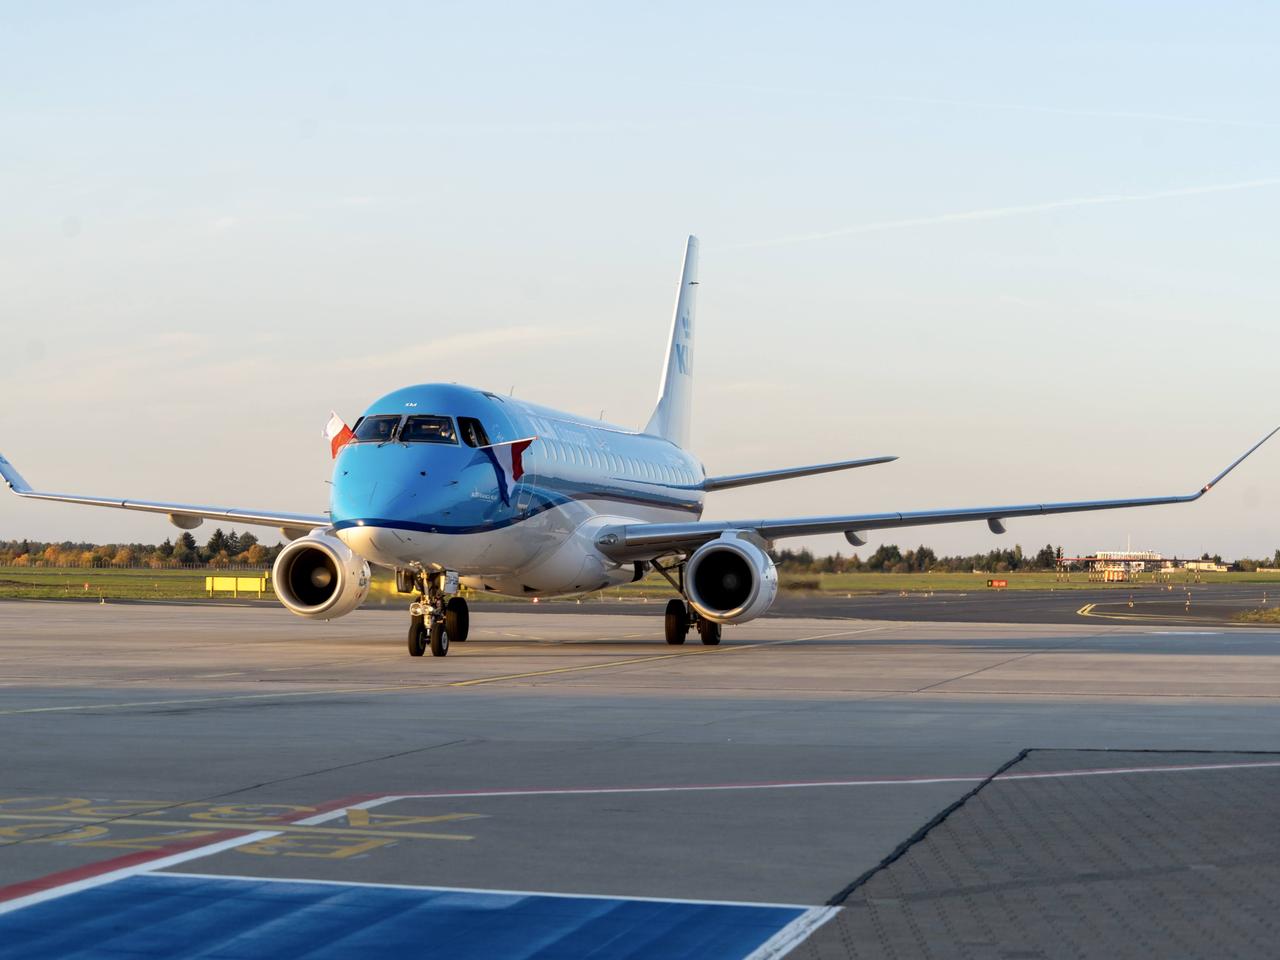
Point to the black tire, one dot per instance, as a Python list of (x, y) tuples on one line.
[(457, 619), (676, 622), (710, 633), (439, 638), (417, 637)]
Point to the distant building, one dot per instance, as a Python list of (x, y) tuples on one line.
[(1113, 566), (1129, 561), (1206, 566)]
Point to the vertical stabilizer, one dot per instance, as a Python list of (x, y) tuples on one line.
[(675, 393)]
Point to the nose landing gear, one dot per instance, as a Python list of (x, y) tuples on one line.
[(435, 621)]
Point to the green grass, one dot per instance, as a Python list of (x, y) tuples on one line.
[(110, 584), (1261, 615), (44, 583)]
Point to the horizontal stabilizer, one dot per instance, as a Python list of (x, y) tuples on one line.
[(787, 473)]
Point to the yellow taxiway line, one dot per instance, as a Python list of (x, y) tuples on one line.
[(221, 825)]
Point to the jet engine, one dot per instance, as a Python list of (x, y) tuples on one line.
[(320, 577), (730, 580)]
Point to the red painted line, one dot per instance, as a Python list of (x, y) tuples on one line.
[(326, 807), (25, 887), (74, 874)]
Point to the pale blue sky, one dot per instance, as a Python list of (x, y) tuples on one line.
[(1031, 251)]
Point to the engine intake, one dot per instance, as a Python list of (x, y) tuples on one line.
[(731, 580), (320, 577)]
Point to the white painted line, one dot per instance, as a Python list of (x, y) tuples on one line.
[(793, 934), (605, 791), (500, 893), (790, 785), (1120, 771), (145, 866)]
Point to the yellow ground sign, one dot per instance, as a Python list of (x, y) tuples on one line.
[(235, 585)]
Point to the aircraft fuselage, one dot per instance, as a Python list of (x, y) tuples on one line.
[(449, 505)]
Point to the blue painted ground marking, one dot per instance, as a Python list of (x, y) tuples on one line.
[(228, 918)]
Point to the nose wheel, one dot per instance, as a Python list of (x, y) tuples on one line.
[(434, 620)]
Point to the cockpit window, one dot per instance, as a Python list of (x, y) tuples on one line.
[(428, 430), (472, 431), (376, 429)]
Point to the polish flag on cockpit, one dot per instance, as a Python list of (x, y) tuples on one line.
[(508, 463), (337, 433)]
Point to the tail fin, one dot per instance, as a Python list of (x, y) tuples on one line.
[(675, 394)]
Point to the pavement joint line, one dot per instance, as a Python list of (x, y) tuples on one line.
[(409, 687), (656, 657)]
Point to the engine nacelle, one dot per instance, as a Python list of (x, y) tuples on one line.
[(730, 580), (319, 576)]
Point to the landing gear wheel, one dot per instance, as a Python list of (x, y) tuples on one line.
[(710, 632), (439, 638), (457, 619), (417, 637), (676, 622)]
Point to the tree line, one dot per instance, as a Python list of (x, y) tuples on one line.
[(221, 549), (889, 558)]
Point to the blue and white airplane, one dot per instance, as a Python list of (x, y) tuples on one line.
[(452, 486)]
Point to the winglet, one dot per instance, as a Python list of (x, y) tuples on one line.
[(1210, 485), (12, 477)]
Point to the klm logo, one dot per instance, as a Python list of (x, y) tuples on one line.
[(681, 346)]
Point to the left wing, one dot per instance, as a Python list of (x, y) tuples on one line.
[(643, 541), (187, 516)]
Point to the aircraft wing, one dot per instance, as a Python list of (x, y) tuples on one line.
[(184, 515), (644, 541)]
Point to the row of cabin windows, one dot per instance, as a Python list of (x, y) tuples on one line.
[(419, 428), (557, 451), (422, 428)]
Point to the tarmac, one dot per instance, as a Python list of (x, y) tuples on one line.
[(235, 782)]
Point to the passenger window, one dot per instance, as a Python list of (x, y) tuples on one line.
[(472, 431), (428, 430), (376, 429)]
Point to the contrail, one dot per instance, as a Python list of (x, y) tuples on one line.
[(1000, 213), (1079, 112), (1018, 107)]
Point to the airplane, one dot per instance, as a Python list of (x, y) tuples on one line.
[(452, 486)]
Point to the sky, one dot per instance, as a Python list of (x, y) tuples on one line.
[(1028, 248)]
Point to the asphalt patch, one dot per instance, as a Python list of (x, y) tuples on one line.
[(1154, 862)]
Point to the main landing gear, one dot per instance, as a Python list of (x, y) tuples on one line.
[(435, 619), (680, 615)]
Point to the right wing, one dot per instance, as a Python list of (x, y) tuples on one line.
[(645, 541), (187, 516)]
